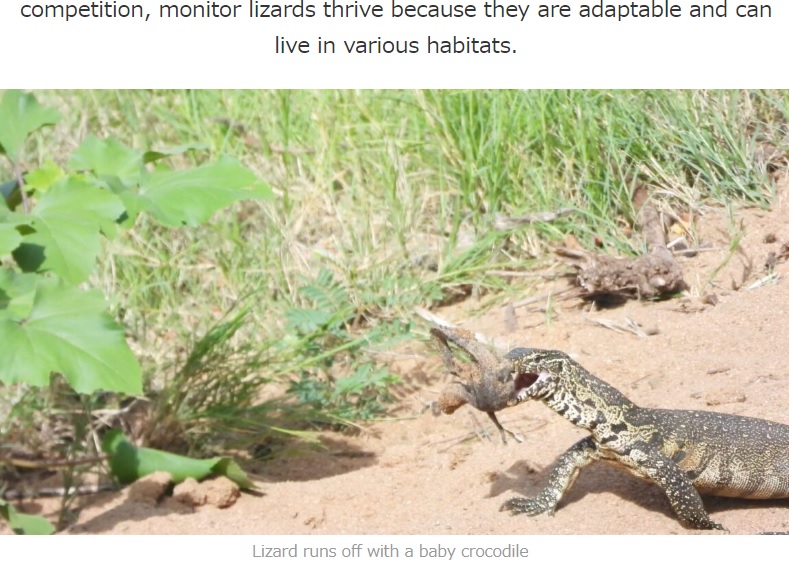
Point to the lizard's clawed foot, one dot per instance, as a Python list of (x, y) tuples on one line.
[(528, 506)]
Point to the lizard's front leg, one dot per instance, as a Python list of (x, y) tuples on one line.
[(683, 497), (562, 477)]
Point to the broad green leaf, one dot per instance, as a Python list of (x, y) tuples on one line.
[(64, 229), (43, 177), (134, 204), (129, 463), (66, 331), (151, 156), (24, 524), (108, 157), (191, 196), (9, 238), (21, 115), (17, 294)]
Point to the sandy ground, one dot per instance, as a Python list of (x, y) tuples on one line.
[(420, 474)]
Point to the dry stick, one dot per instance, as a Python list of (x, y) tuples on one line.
[(629, 327), (32, 465), (693, 251), (21, 182), (60, 492)]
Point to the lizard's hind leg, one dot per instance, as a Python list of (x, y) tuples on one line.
[(683, 497)]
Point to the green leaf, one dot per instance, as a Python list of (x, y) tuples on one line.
[(21, 115), (129, 463), (17, 294), (64, 330), (9, 238), (152, 156), (108, 158), (191, 196), (306, 320), (64, 229), (42, 178), (364, 377), (24, 524)]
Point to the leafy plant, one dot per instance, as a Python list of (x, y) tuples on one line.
[(24, 524), (210, 397), (53, 220), (336, 371)]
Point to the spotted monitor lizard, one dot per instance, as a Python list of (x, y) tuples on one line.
[(684, 452)]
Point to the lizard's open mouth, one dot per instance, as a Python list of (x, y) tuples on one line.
[(524, 380), (524, 383)]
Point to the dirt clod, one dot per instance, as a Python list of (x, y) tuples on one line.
[(221, 492), (150, 489), (218, 492), (190, 492)]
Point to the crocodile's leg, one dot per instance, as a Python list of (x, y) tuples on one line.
[(683, 497), (564, 473), (503, 431)]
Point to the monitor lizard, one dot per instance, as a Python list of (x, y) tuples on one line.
[(685, 452)]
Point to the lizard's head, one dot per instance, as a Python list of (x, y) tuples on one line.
[(535, 372)]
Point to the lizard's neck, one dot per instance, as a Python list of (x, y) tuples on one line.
[(583, 399)]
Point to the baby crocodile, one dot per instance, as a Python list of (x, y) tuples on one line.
[(482, 382), (685, 452)]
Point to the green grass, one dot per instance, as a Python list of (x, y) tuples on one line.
[(392, 195)]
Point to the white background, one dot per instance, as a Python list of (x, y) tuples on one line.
[(555, 553), (233, 53)]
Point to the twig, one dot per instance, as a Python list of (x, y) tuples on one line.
[(20, 181), (59, 492), (690, 252), (630, 326), (514, 274), (32, 465), (433, 318), (772, 277)]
